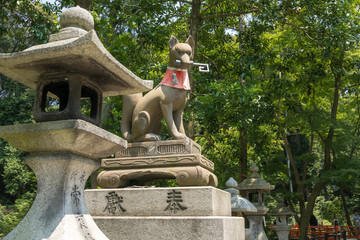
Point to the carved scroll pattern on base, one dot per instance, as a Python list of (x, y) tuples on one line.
[(185, 176)]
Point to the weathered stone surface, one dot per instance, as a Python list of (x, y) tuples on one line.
[(197, 201), (142, 115), (76, 48), (62, 154), (70, 89), (71, 136), (59, 210), (256, 228), (238, 204), (282, 231), (253, 186), (172, 228), (77, 17), (155, 148), (147, 161), (175, 160), (184, 175), (254, 181)]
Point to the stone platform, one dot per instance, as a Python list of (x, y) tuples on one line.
[(147, 161), (172, 228), (186, 213)]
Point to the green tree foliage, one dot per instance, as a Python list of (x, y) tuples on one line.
[(283, 86), (22, 24), (310, 65)]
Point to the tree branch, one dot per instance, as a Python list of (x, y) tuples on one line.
[(184, 1), (320, 136), (304, 31), (230, 14), (218, 25), (210, 6), (305, 167), (291, 159), (217, 69)]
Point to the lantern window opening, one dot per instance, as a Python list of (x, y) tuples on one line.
[(247, 223), (89, 102), (58, 104), (253, 197)]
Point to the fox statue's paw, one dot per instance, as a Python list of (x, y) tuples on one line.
[(152, 137), (149, 137), (179, 136)]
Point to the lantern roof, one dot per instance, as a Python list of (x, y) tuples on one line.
[(254, 181), (238, 203), (281, 209), (76, 48)]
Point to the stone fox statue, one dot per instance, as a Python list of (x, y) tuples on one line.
[(142, 115)]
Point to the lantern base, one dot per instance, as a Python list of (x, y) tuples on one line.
[(282, 231), (59, 210), (62, 154)]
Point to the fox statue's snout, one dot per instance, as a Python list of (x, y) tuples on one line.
[(181, 56)]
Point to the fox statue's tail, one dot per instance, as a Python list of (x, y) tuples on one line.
[(128, 106)]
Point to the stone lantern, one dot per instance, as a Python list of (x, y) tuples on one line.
[(239, 205), (282, 214), (254, 187), (71, 72)]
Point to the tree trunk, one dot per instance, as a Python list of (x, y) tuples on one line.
[(195, 20), (308, 211), (304, 224), (346, 209), (243, 155)]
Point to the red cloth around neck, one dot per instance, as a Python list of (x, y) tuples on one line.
[(182, 78)]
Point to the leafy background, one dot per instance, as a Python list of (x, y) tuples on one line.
[(283, 87)]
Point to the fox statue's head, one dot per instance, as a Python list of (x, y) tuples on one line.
[(180, 54)]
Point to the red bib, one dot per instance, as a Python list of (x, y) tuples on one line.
[(176, 78)]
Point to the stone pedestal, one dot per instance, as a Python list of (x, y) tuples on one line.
[(186, 213), (254, 187), (62, 154), (282, 231), (282, 214), (146, 161), (256, 228)]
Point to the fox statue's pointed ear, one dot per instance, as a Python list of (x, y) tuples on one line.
[(191, 42), (172, 42)]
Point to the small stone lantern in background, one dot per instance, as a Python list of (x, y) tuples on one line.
[(282, 213), (254, 187), (239, 205)]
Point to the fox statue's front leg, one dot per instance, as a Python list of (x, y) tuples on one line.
[(172, 104), (170, 122), (178, 118), (129, 103), (141, 125)]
